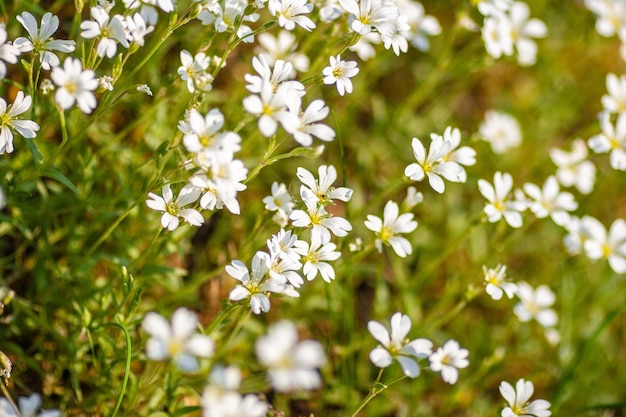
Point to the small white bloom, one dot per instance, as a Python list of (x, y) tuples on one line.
[(173, 209), (177, 340), (291, 13), (144, 88), (193, 71), (254, 287), (321, 222), (395, 345), (109, 30), (75, 85), (535, 304), (612, 139), (615, 101), (40, 39), (602, 245), (496, 283), (339, 72), (518, 399), (314, 257), (106, 82), (390, 227), (611, 15), (283, 47), (321, 190), (8, 52), (308, 127), (433, 165), (11, 122), (501, 130), (279, 200), (549, 201), (499, 204), (292, 365), (448, 359), (574, 169)]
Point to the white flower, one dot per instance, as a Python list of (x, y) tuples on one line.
[(496, 284), (498, 202), (518, 399), (322, 190), (282, 72), (413, 198), (419, 25), (493, 7), (501, 130), (314, 256), (271, 108), (388, 229), (8, 52), (137, 29), (178, 340), (144, 88), (254, 286), (535, 304), (448, 359), (522, 30), (395, 345), (612, 139), (602, 245), (9, 121), (292, 364), (173, 209), (205, 134), (75, 85), (280, 199), (283, 47), (110, 31), (339, 72), (573, 167), (549, 201), (367, 15), (308, 127), (148, 11), (433, 165), (41, 41), (322, 223), (461, 156), (611, 15), (193, 70), (615, 101), (290, 13), (28, 407), (496, 35)]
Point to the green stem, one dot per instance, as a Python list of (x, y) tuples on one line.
[(126, 368), (273, 146), (376, 389)]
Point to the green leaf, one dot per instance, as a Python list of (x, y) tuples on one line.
[(37, 156), (55, 174)]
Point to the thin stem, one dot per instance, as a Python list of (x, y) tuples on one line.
[(376, 389), (64, 141), (126, 368), (5, 391)]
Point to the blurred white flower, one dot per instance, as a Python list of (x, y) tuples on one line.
[(395, 345), (574, 169), (75, 85), (144, 88), (419, 25), (501, 130), (193, 71), (496, 282), (177, 340), (291, 13), (279, 200), (339, 72), (11, 122), (611, 15), (602, 245), (221, 399), (499, 204), (615, 101), (612, 139), (390, 227), (28, 407), (550, 201), (40, 40), (518, 399), (283, 47), (292, 365), (448, 359), (8, 52), (173, 209), (535, 304), (367, 16)]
